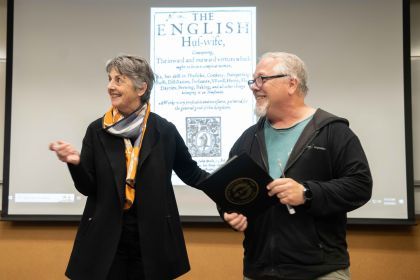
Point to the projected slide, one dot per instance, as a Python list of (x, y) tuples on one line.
[(202, 58)]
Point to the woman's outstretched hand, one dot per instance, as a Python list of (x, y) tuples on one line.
[(65, 152)]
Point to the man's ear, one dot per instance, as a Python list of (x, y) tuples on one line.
[(293, 86)]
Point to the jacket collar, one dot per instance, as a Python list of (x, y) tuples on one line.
[(320, 119)]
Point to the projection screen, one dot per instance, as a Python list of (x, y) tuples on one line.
[(357, 55)]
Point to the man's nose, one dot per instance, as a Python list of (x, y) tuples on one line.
[(254, 87)]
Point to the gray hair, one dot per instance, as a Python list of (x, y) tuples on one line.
[(292, 65), (137, 69)]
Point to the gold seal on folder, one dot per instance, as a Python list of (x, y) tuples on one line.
[(241, 191)]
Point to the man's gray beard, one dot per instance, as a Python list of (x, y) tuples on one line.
[(261, 110)]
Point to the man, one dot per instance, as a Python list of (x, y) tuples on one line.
[(322, 173)]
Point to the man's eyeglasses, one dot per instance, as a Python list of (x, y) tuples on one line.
[(259, 81)]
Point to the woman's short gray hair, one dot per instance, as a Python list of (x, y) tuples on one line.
[(137, 69), (292, 65)]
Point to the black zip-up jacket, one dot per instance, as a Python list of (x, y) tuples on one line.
[(327, 158)]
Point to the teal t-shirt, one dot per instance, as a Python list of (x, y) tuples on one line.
[(280, 143)]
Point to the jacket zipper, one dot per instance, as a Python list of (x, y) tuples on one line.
[(287, 167), (261, 154), (271, 209)]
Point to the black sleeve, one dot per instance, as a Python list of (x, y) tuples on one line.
[(83, 174), (184, 166), (351, 185)]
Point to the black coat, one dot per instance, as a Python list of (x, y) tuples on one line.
[(101, 177), (329, 159)]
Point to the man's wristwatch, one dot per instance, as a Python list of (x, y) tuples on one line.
[(307, 194)]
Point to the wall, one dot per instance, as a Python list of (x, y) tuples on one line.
[(2, 83), (415, 91), (40, 251), (415, 84)]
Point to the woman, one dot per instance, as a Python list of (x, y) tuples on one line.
[(130, 228)]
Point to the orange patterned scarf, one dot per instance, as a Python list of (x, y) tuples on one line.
[(130, 127)]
